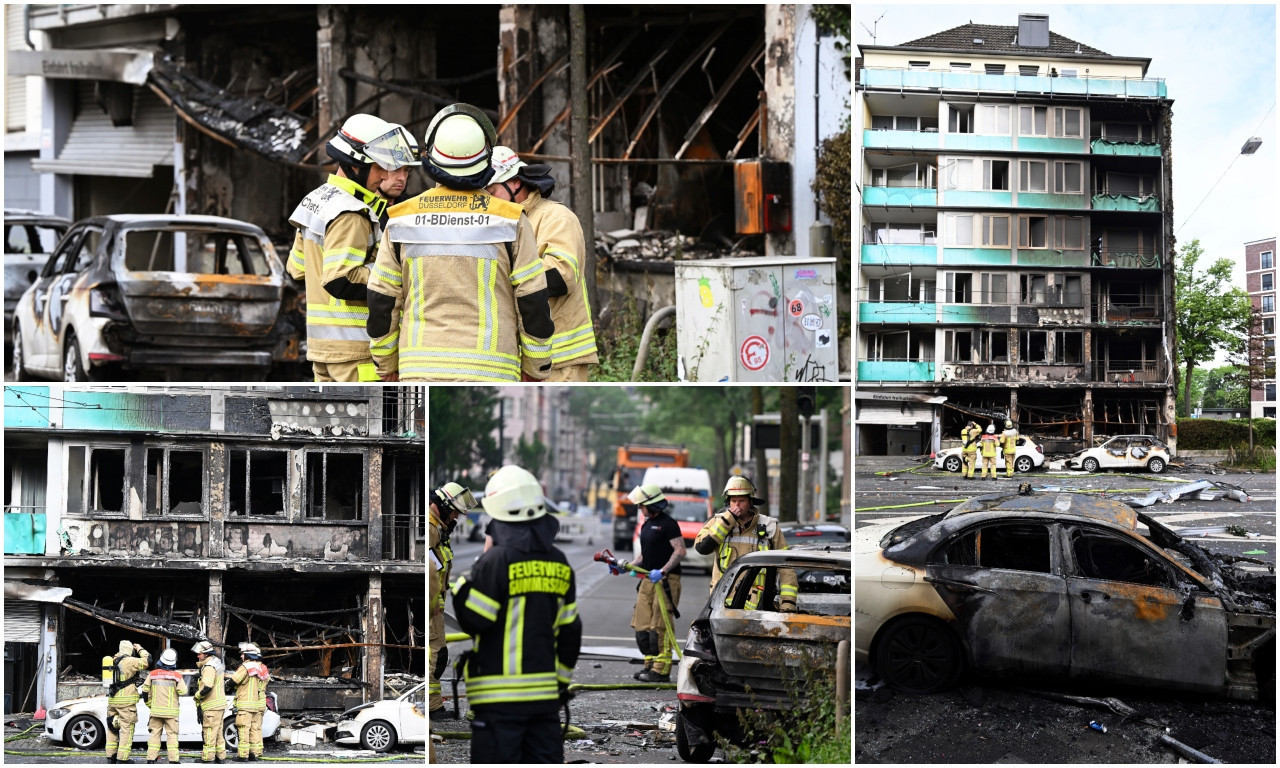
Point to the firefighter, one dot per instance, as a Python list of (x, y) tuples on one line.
[(127, 673), (989, 446), (457, 292), (520, 605), (338, 230), (740, 528), (969, 447), (250, 680), (162, 690), (1009, 442), (562, 246), (660, 542), (448, 502), (212, 701)]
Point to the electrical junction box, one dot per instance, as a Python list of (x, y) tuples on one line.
[(762, 192), (757, 319)]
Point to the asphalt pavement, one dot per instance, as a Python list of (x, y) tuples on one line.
[(1018, 721)]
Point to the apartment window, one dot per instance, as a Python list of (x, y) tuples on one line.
[(335, 485), (994, 119), (1032, 231), (882, 122), (1068, 347), (1028, 70), (1068, 177), (899, 345), (1269, 303), (1267, 278), (175, 482), (960, 174), (997, 345), (903, 234), (1068, 73), (995, 231), (1265, 260), (1071, 291), (1035, 347), (995, 287), (1268, 326), (908, 175), (1268, 348), (1128, 132), (995, 69), (958, 346), (960, 287), (1270, 390), (1032, 288), (1067, 120), (257, 483), (1070, 232), (1032, 176), (1129, 184), (995, 174), (1033, 121), (960, 118), (95, 480), (961, 230), (918, 64), (960, 66)]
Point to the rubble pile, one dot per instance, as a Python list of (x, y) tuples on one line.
[(660, 245)]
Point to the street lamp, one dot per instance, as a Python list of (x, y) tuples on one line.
[(1251, 145)]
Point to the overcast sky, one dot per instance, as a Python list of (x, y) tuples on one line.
[(1219, 65)]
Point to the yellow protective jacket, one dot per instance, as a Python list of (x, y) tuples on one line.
[(209, 693), (251, 686), (128, 667), (457, 292), (1009, 441), (990, 446), (443, 555), (561, 245), (337, 232), (970, 434), (732, 540), (162, 689)]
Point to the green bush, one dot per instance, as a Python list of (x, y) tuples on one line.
[(807, 734), (619, 345), (1215, 435)]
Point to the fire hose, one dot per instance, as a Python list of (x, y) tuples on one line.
[(606, 557)]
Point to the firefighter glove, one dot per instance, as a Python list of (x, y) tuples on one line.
[(655, 575), (613, 570)]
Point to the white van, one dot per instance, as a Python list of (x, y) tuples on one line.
[(689, 494)]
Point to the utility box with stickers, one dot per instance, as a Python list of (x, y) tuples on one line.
[(757, 319)]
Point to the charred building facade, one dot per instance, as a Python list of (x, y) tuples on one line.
[(292, 517), (1016, 253)]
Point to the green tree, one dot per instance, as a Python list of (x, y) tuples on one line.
[(532, 455), (609, 417), (1198, 379), (464, 421), (1208, 311), (1225, 387), (707, 420)]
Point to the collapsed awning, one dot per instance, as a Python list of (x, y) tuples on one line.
[(95, 147), (36, 593)]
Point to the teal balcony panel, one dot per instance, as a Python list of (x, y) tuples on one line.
[(1125, 148), (1040, 145), (24, 533), (913, 197), (877, 253), (897, 312), (973, 314), (1050, 200), (967, 198), (999, 256), (900, 140), (1144, 260), (977, 143), (1148, 204), (895, 370), (26, 407), (917, 80), (1052, 258)]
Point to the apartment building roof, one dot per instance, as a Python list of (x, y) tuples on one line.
[(999, 39)]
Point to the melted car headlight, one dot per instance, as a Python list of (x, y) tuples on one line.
[(54, 714)]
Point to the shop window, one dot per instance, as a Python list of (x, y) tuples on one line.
[(95, 480), (175, 482), (335, 484), (258, 481)]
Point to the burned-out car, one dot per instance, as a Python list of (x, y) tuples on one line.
[(159, 293), (1060, 584), (760, 658), (29, 238), (1123, 452)]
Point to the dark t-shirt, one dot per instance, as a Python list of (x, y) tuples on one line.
[(655, 541)]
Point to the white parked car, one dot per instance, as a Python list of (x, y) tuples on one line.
[(1123, 452), (380, 725), (1029, 456), (82, 722)]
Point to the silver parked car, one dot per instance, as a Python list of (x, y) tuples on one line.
[(29, 238)]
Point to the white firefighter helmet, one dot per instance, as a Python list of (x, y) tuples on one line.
[(169, 658), (250, 648), (506, 164), (647, 495), (454, 496), (204, 646), (991, 429), (739, 486), (514, 495), (1008, 423), (366, 140), (458, 145)]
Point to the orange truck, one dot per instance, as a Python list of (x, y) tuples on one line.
[(633, 460)]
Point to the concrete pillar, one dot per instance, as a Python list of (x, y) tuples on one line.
[(374, 532), (780, 103), (216, 629), (373, 636), (1013, 406), (216, 545), (1087, 432), (47, 668), (59, 105)]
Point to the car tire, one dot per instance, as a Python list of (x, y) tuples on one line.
[(230, 734), (72, 370), (952, 463), (1023, 464), (691, 753), (1155, 465), (85, 732), (17, 358), (918, 654), (1090, 465), (378, 735)]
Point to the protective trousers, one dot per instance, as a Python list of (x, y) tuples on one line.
[(435, 700), (970, 459), (351, 370), (249, 729), (1008, 463), (988, 462), (120, 745), (215, 742), (648, 618), (169, 726), (506, 735)]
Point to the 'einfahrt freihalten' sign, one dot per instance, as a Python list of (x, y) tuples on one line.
[(100, 64)]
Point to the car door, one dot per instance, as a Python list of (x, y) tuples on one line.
[(413, 715), (71, 269), (1136, 619), (41, 337), (1003, 581)]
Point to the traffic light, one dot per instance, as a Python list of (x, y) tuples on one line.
[(806, 400)]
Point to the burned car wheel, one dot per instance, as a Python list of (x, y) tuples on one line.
[(1023, 464), (378, 735), (85, 732), (1156, 465), (72, 370), (692, 753), (952, 464), (1089, 465), (918, 655), (17, 360)]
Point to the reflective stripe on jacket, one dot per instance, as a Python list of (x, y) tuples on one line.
[(439, 547), (464, 297), (337, 232), (761, 532), (251, 686), (128, 667), (163, 689), (561, 245), (990, 445), (212, 675), (1009, 441)]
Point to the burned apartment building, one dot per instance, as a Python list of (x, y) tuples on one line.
[(292, 517), (1016, 254)]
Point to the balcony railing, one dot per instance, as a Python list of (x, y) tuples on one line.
[(897, 312), (931, 80), (895, 370), (1128, 258), (1126, 202), (1112, 312), (1127, 372), (1124, 148)]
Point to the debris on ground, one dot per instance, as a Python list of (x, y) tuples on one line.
[(1207, 490)]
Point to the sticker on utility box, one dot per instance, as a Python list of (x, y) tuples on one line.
[(704, 292), (795, 307), (822, 338), (754, 353), (811, 322), (806, 274)]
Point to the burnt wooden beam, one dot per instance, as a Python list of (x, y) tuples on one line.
[(754, 55)]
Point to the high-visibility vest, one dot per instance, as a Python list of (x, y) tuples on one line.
[(163, 688), (990, 446), (251, 686), (212, 675)]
